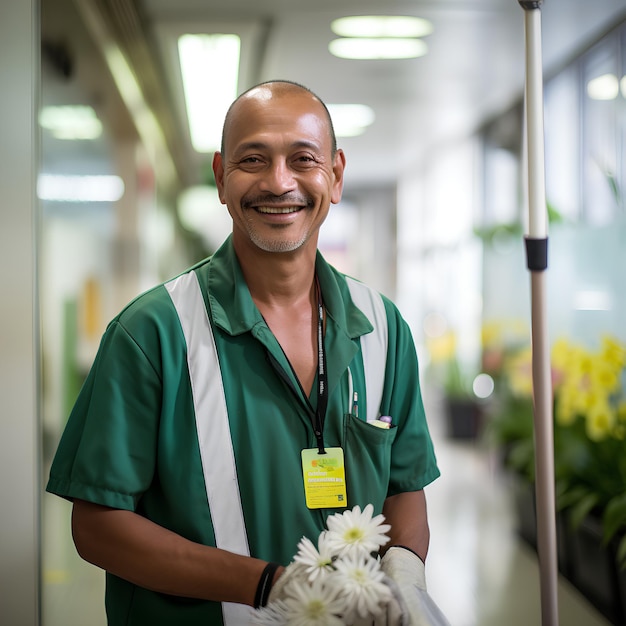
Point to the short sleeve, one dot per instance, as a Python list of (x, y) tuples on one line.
[(107, 452)]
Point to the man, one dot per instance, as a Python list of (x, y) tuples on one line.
[(183, 454)]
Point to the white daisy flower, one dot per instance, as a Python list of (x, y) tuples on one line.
[(361, 582), (356, 530), (318, 561), (314, 604)]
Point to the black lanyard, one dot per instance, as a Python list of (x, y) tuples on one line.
[(322, 387)]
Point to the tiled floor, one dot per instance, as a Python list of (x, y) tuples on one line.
[(478, 571)]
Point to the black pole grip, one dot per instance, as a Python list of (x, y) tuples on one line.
[(536, 254), (530, 5)]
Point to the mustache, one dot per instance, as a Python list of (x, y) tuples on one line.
[(290, 197)]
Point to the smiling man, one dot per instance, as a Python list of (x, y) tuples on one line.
[(279, 169), (213, 395)]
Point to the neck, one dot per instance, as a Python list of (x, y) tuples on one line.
[(278, 279)]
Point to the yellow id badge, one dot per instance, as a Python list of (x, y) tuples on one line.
[(324, 478)]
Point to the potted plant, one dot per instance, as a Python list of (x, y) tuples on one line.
[(461, 407), (590, 460), (463, 411), (590, 465)]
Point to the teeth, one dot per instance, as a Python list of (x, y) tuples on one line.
[(271, 209)]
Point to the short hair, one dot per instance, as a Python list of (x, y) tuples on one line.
[(284, 86)]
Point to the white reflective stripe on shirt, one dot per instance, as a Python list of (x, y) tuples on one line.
[(216, 447), (373, 345)]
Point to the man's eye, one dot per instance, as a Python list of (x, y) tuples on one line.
[(251, 159)]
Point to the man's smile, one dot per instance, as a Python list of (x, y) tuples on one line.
[(277, 210)]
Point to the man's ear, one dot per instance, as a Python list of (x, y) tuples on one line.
[(218, 172), (339, 165)]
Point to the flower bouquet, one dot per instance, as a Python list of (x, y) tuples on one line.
[(338, 581)]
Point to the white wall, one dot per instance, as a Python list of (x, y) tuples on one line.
[(19, 431)]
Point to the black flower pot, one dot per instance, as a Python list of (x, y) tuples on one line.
[(594, 570), (621, 579), (565, 545), (463, 418), (525, 510)]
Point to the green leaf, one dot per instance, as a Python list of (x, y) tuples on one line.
[(614, 516), (582, 508), (621, 553), (569, 496), (522, 458)]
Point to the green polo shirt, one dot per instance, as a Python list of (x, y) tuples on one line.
[(131, 441)]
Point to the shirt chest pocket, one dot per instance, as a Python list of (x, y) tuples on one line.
[(367, 450)]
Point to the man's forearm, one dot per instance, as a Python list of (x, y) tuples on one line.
[(406, 512), (136, 549)]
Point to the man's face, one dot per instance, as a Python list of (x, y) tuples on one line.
[(278, 175)]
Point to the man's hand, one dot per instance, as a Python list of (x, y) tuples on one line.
[(407, 570)]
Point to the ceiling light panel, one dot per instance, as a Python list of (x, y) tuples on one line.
[(605, 87), (377, 48), (350, 120), (96, 188), (381, 26), (210, 73), (75, 122), (169, 34)]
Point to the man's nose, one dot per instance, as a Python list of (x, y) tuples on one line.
[(278, 178)]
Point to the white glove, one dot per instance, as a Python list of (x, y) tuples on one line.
[(396, 613), (407, 570), (293, 571)]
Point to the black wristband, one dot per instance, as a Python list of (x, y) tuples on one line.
[(265, 585), (410, 550)]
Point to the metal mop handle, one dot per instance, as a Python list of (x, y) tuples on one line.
[(537, 259)]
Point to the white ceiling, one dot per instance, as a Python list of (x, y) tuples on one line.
[(475, 65), (474, 68)]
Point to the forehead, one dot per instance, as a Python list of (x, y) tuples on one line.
[(269, 118)]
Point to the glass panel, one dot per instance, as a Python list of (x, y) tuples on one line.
[(621, 124), (600, 91), (562, 144), (502, 153)]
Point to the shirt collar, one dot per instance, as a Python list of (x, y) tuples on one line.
[(233, 309)]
